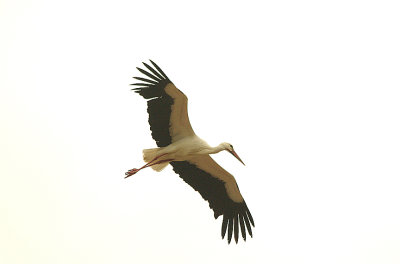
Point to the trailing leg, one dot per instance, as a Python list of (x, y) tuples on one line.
[(150, 163)]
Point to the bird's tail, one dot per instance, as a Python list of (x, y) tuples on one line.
[(160, 167), (150, 154)]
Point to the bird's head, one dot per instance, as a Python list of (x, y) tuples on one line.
[(228, 147)]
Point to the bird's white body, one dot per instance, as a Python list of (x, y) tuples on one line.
[(185, 148)]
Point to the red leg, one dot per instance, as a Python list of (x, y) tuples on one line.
[(134, 171)]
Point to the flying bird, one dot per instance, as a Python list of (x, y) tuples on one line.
[(188, 154)]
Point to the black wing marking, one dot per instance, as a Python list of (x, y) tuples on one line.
[(159, 105), (213, 190)]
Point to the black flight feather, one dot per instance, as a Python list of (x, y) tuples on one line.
[(158, 69), (158, 107), (236, 227), (230, 229), (242, 227), (224, 226), (146, 80), (149, 75), (153, 71)]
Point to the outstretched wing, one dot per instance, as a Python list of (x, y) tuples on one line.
[(219, 188), (167, 106)]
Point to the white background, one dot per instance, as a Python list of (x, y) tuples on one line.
[(306, 91)]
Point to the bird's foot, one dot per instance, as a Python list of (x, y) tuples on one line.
[(131, 172)]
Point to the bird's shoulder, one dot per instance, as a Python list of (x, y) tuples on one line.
[(174, 92)]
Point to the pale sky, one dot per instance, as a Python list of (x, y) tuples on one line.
[(306, 91)]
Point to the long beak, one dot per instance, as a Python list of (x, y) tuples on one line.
[(236, 156)]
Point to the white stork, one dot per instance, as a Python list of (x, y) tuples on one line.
[(179, 146)]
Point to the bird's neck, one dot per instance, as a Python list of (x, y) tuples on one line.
[(213, 150), (210, 150)]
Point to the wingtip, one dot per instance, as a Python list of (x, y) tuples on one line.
[(224, 226), (144, 63), (159, 69)]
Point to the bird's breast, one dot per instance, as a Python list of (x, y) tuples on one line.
[(187, 148)]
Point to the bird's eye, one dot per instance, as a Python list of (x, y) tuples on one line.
[(231, 146)]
